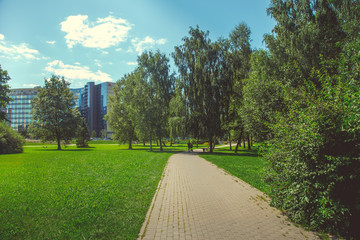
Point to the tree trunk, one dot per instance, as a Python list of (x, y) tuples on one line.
[(170, 142), (197, 142), (237, 145), (244, 142), (211, 145), (59, 143), (130, 144), (161, 148), (248, 139), (157, 143), (144, 143), (230, 141), (150, 144)]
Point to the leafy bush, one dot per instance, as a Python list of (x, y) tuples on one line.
[(10, 140), (315, 154)]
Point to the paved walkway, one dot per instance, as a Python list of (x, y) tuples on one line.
[(197, 200)]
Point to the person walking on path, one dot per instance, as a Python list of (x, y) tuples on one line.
[(197, 200)]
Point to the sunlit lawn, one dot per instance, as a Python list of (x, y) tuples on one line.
[(246, 165), (101, 192), (94, 193)]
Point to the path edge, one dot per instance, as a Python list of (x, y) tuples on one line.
[(148, 214)]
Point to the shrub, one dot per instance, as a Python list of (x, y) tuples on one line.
[(314, 157), (10, 140), (82, 134)]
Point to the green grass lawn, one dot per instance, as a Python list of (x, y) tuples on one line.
[(246, 165), (101, 192)]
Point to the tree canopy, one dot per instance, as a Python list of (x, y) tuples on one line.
[(4, 92), (54, 115)]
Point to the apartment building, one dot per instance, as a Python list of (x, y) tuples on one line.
[(91, 100)]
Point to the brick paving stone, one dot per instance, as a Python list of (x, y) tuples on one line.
[(197, 200)]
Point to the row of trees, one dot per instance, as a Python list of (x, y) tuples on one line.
[(55, 117), (300, 98), (203, 101)]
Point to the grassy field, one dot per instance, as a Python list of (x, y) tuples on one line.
[(246, 165), (101, 192)]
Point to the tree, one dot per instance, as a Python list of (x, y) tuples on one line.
[(82, 134), (263, 97), (158, 85), (93, 134), (238, 59), (4, 91), (118, 116), (54, 115), (176, 121), (199, 66), (306, 32)]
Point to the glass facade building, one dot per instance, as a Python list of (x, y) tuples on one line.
[(19, 109), (91, 100)]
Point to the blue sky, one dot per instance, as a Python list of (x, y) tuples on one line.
[(86, 40)]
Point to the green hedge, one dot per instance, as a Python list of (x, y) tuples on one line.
[(10, 140)]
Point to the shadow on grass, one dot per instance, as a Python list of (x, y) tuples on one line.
[(154, 150), (227, 152), (65, 150)]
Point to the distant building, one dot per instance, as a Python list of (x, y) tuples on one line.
[(91, 100), (19, 109)]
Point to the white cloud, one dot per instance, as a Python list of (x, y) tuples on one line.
[(103, 33), (17, 52), (118, 49), (30, 85), (74, 72), (51, 42), (98, 62), (132, 63), (147, 43)]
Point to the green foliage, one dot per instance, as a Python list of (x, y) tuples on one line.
[(4, 91), (82, 134), (54, 115), (10, 140), (305, 31), (303, 95), (314, 155), (159, 87), (239, 64), (200, 65), (93, 134), (119, 110), (263, 97)]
